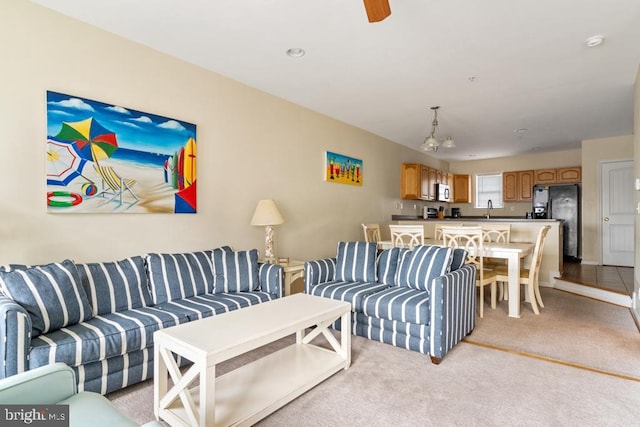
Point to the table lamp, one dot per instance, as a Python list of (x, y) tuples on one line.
[(268, 215)]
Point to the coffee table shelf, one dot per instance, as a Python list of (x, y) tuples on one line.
[(249, 393)]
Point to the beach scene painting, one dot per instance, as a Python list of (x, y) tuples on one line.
[(104, 158), (342, 169)]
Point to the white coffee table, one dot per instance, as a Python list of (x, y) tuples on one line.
[(247, 394)]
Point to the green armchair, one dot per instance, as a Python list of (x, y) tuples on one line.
[(56, 384)]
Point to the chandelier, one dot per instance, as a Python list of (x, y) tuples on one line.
[(431, 143)]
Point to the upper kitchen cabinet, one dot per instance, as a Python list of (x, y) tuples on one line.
[(415, 182), (572, 174), (545, 176), (558, 176), (517, 186), (461, 189)]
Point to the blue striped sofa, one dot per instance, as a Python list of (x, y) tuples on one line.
[(422, 299), (99, 318)]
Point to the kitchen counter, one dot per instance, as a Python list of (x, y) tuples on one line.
[(472, 218), (522, 230)]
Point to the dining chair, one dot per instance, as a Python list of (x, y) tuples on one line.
[(372, 235), (499, 233), (471, 240), (438, 230), (406, 236), (528, 276), (371, 232)]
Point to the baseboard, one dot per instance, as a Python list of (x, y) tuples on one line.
[(595, 293)]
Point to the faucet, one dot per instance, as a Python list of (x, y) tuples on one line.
[(489, 209)]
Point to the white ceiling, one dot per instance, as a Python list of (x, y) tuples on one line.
[(531, 66)]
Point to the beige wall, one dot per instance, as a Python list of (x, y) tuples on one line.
[(636, 127), (251, 145), (594, 152), (554, 159)]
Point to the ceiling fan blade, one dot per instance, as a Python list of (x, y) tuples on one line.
[(377, 10)]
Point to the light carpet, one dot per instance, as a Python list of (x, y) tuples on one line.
[(473, 385), (570, 328)]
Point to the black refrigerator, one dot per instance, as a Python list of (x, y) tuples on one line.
[(561, 201)]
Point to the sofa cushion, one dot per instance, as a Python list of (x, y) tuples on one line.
[(182, 275), (352, 292), (235, 271), (115, 286), (102, 337), (458, 258), (398, 303), (207, 305), (356, 261), (423, 264), (388, 262), (51, 294)]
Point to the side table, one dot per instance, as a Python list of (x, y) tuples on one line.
[(293, 270)]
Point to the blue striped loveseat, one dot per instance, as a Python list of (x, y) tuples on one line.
[(422, 299), (99, 318)]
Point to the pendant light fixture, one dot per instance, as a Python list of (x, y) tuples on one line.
[(431, 143)]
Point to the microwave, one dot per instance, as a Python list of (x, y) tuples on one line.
[(443, 193)]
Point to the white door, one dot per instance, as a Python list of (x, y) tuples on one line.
[(618, 197)]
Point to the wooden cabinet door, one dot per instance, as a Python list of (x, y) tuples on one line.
[(572, 174), (510, 186), (525, 185), (545, 176), (461, 189), (425, 182), (431, 190), (410, 181)]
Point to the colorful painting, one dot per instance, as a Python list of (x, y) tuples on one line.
[(343, 169), (107, 158)]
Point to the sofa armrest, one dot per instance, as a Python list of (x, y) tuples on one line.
[(15, 337), (45, 385), (272, 279), (318, 271), (453, 309)]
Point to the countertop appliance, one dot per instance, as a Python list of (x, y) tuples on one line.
[(455, 213), (443, 193), (428, 212), (561, 202)]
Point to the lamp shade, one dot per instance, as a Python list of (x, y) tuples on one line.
[(266, 213)]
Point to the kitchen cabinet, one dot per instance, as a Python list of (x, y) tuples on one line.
[(545, 176), (461, 189), (431, 183), (517, 186), (571, 174), (414, 181)]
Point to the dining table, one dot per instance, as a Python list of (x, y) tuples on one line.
[(513, 252)]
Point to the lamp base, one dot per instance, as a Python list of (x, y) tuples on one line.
[(268, 245)]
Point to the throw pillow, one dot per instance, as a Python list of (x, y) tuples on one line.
[(115, 286), (388, 262), (235, 271), (176, 276), (356, 262), (51, 294), (423, 264)]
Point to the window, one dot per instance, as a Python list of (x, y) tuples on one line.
[(489, 187)]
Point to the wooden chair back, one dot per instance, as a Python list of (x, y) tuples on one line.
[(371, 233), (407, 236)]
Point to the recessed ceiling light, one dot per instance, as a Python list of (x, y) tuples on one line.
[(521, 130), (472, 78), (295, 52), (594, 41)]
